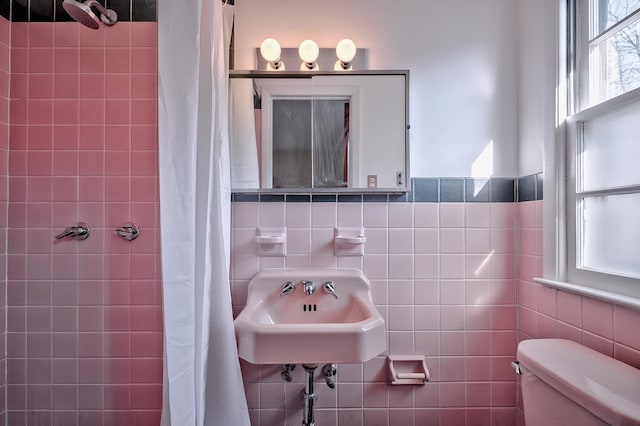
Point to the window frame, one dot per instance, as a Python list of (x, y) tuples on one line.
[(568, 235)]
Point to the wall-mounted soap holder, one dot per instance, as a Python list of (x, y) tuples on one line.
[(349, 241), (407, 370), (271, 242)]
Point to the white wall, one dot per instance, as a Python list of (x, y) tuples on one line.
[(462, 55), (538, 28)]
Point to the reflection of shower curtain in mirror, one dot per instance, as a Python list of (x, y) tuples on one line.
[(331, 143), (242, 133)]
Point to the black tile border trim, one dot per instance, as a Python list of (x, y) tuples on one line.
[(245, 198), (272, 198), (324, 198), (5, 9), (349, 198), (51, 10), (298, 198), (452, 190), (424, 190), (530, 188), (539, 186), (375, 198)]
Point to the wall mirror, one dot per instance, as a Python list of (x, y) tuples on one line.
[(319, 131)]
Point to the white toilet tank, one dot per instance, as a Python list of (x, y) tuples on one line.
[(565, 384)]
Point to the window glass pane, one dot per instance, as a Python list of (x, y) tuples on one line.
[(611, 234), (607, 13), (611, 148), (617, 60)]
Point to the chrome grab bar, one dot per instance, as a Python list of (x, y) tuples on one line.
[(79, 231)]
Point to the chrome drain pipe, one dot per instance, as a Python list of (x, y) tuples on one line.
[(308, 396)]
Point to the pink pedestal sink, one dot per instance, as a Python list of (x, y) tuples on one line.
[(301, 328)]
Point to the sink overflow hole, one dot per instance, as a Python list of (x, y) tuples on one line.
[(310, 308)]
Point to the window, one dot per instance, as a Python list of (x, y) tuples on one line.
[(603, 190), (609, 42)]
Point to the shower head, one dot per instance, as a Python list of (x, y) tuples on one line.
[(82, 13)]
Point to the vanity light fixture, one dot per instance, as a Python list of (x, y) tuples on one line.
[(346, 51), (270, 51), (309, 52)]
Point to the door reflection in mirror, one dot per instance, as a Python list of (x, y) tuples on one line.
[(310, 143)]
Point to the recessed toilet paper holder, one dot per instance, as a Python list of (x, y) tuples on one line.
[(407, 370)]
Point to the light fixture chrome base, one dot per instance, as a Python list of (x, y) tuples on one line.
[(309, 66)]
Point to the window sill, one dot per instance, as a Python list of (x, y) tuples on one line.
[(607, 296)]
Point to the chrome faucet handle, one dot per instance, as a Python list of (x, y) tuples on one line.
[(129, 231), (79, 231), (330, 288), (309, 287), (287, 288), (68, 232)]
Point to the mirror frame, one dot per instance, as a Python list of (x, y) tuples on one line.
[(308, 75)]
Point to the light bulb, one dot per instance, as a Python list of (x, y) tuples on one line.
[(270, 50), (346, 50), (308, 51)]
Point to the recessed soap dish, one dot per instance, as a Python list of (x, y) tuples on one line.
[(349, 241), (271, 241), (407, 370)]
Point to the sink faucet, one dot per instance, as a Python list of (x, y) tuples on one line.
[(309, 287), (287, 288), (330, 288)]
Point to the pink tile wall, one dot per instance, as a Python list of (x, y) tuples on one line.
[(443, 276), (84, 317), (5, 53), (545, 312)]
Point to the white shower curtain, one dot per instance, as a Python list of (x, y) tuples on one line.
[(202, 381)]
